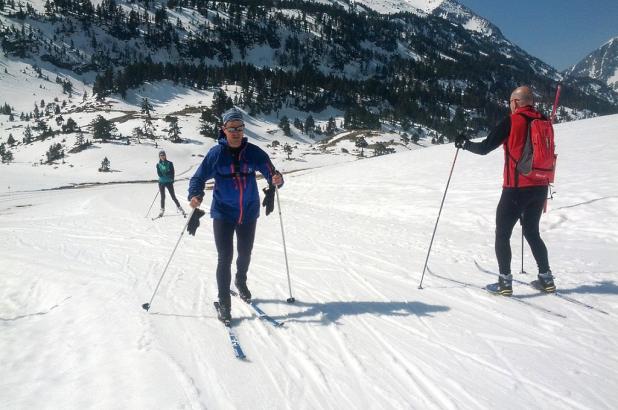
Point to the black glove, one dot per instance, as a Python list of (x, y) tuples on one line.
[(269, 199), (194, 222), (460, 140)]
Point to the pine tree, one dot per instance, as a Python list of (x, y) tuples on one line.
[(209, 126), (287, 148), (405, 139), (79, 140), (381, 149), (309, 124), (70, 126), (173, 130), (146, 107), (6, 156), (221, 103), (27, 135), (102, 129), (138, 134), (54, 152), (105, 164), (11, 141), (362, 144), (298, 124), (416, 137), (331, 127), (49, 10), (149, 129), (284, 124)]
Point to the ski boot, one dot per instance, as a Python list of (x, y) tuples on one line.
[(161, 213), (504, 286), (182, 211), (545, 282), (224, 311), (243, 291)]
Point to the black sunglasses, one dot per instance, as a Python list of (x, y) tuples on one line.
[(235, 129)]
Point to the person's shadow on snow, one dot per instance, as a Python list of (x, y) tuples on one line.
[(605, 287), (330, 312)]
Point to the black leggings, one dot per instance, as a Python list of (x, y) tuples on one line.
[(224, 240), (526, 203), (170, 187)]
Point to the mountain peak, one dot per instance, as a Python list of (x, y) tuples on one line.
[(601, 64), (448, 9)]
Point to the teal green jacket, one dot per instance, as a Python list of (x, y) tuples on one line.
[(165, 170)]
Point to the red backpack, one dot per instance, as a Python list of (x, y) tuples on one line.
[(538, 158)]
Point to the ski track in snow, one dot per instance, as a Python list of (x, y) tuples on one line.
[(78, 264)]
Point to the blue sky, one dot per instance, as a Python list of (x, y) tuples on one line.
[(559, 32)]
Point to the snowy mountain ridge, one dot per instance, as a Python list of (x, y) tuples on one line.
[(448, 9), (601, 64)]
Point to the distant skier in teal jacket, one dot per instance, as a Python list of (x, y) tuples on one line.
[(165, 170)]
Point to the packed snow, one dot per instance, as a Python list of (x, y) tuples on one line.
[(77, 264)]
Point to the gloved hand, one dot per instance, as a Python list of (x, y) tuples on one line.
[(194, 222), (269, 199), (460, 140)]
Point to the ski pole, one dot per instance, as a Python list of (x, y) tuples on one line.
[(285, 253), (146, 306), (420, 286), (521, 223), (153, 201), (556, 101)]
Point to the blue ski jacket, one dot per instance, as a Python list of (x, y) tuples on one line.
[(235, 195)]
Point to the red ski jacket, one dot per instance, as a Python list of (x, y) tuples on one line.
[(511, 134)]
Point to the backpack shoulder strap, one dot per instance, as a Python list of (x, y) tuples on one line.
[(528, 118)]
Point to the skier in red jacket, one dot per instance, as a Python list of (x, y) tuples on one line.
[(522, 197)]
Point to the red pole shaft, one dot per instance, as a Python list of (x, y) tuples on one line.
[(556, 101)]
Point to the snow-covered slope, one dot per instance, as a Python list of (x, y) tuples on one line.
[(398, 6), (77, 264), (448, 9), (601, 64), (136, 161)]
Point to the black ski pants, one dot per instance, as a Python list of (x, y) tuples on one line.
[(224, 240), (526, 203), (170, 188)]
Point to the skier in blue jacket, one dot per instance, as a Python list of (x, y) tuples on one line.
[(235, 204)]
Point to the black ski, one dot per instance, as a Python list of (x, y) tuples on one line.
[(260, 313), (557, 294), (513, 298), (232, 335)]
